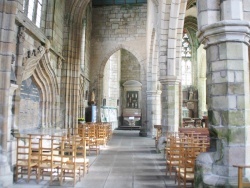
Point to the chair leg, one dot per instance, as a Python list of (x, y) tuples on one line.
[(28, 179)]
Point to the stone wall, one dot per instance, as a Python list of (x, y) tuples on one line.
[(33, 38), (119, 23), (29, 105), (116, 28), (58, 20), (111, 79), (130, 67), (87, 29)]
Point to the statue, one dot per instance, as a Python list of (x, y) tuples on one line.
[(191, 94), (92, 99)]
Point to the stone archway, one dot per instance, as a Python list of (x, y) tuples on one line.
[(131, 49), (120, 59), (38, 73)]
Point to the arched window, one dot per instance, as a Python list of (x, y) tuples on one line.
[(186, 61), (33, 10)]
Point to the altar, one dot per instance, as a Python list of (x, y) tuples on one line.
[(131, 116), (131, 109)]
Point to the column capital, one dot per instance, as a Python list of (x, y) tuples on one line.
[(225, 31), (170, 80)]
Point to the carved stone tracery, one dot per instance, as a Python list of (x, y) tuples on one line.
[(31, 60)]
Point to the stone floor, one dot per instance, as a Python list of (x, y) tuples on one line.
[(128, 161)]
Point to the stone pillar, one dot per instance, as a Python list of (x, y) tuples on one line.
[(201, 69), (226, 43), (19, 72), (153, 111), (170, 104), (11, 143), (8, 158), (7, 48)]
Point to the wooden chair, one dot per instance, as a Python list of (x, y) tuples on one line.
[(93, 142), (70, 168), (46, 163), (241, 182), (101, 134), (57, 139), (185, 170), (172, 157), (24, 163), (81, 158)]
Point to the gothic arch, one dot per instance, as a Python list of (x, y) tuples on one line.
[(45, 78), (115, 49), (174, 15), (153, 62), (104, 60)]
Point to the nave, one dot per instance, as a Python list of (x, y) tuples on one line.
[(128, 161)]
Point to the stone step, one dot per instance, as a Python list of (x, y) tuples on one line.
[(129, 128)]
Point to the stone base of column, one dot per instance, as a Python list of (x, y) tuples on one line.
[(143, 133), (210, 172), (205, 173)]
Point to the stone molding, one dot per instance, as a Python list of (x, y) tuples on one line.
[(132, 83), (224, 31), (152, 93)]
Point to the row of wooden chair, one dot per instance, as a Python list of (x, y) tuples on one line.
[(57, 157), (61, 156), (95, 134), (181, 152)]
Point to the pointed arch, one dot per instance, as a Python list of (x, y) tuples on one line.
[(45, 78), (115, 49), (153, 66), (173, 14), (103, 61)]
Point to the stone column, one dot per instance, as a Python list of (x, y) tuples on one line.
[(11, 143), (170, 104), (8, 156), (226, 43), (7, 48), (153, 111), (19, 72)]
